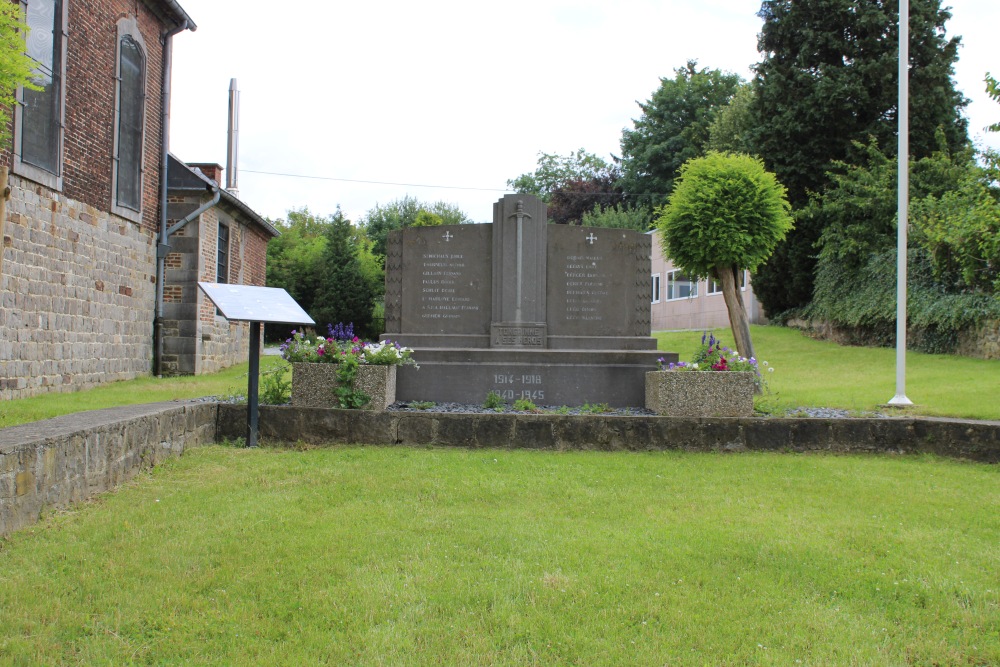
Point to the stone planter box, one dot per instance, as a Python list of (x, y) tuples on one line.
[(313, 384), (700, 393)]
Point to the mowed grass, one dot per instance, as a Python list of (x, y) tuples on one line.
[(812, 373), (147, 389), (397, 556)]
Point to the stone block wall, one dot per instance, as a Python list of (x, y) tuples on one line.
[(982, 342), (57, 462), (76, 295)]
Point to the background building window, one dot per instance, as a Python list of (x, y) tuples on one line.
[(130, 121), (656, 288), (222, 263), (679, 286), (131, 98), (38, 138)]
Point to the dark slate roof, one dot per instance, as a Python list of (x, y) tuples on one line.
[(169, 10), (181, 177)]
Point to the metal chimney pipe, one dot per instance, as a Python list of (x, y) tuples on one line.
[(233, 147)]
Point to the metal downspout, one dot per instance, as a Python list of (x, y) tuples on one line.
[(162, 248), (216, 196)]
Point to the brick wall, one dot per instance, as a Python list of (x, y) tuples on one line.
[(78, 285), (197, 338), (90, 103)]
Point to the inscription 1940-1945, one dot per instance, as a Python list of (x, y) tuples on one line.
[(512, 386)]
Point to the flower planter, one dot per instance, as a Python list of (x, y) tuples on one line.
[(313, 384), (700, 393)]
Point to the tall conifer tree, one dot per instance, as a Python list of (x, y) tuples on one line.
[(828, 78)]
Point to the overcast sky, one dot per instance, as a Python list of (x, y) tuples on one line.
[(461, 95)]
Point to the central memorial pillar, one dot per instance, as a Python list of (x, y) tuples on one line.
[(555, 314), (519, 252)]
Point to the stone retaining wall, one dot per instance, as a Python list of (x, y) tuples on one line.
[(57, 462), (975, 440)]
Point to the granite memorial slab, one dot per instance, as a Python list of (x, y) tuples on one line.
[(555, 314)]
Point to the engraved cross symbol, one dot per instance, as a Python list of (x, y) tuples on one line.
[(591, 238), (447, 236)]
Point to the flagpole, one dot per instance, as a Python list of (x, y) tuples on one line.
[(903, 197)]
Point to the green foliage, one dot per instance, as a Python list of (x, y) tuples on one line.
[(295, 259), (494, 401), (573, 185), (16, 67), (961, 231), (422, 405), (953, 258), (401, 213), (347, 396), (726, 210), (673, 128), (734, 126), (275, 385), (524, 405), (827, 81), (427, 219), (343, 292), (372, 266), (595, 408), (555, 171), (618, 217), (993, 90)]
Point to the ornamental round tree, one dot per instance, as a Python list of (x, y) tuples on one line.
[(726, 214)]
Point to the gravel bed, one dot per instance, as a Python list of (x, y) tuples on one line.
[(468, 408), (465, 408)]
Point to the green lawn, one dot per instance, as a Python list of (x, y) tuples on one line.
[(396, 556), (130, 392), (812, 373)]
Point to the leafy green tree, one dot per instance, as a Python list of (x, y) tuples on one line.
[(556, 171), (372, 265), (828, 79), (734, 126), (726, 214), (618, 217), (673, 128), (381, 220), (428, 219), (993, 90), (294, 259), (16, 67), (343, 294)]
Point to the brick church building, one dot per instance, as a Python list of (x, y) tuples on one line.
[(84, 236)]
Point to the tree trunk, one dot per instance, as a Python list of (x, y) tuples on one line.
[(738, 320)]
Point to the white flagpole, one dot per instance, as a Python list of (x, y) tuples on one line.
[(903, 196)]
